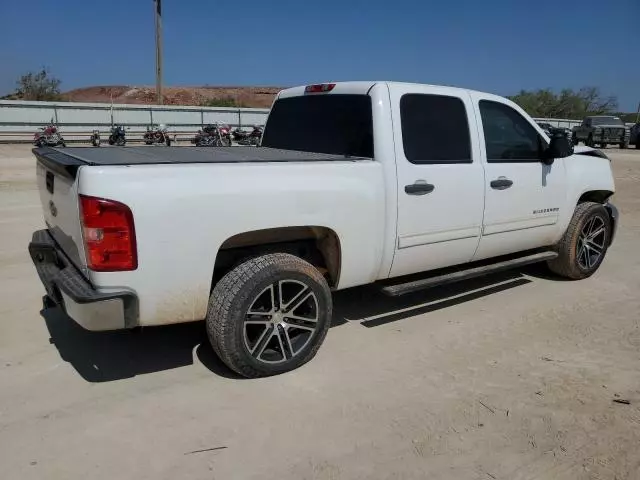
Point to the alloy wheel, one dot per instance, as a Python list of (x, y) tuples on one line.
[(280, 321), (591, 242)]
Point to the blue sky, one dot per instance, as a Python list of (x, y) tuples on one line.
[(500, 46)]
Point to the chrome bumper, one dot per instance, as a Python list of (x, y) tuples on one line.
[(66, 287)]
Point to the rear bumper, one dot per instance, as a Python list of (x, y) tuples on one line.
[(92, 309)]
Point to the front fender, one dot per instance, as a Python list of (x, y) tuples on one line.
[(587, 171)]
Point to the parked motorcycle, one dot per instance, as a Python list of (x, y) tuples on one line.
[(243, 137), (118, 136), (213, 136), (48, 136), (157, 135), (95, 138)]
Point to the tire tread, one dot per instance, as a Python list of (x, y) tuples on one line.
[(565, 264), (220, 324)]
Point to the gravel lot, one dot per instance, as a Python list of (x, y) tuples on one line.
[(512, 376)]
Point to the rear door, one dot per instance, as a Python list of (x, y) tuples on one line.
[(58, 191), (523, 196), (440, 178)]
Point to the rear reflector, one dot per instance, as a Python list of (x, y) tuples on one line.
[(109, 235), (319, 88)]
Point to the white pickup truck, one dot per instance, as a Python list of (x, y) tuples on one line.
[(354, 183)]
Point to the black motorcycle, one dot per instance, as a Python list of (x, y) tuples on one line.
[(243, 137), (95, 138), (117, 136)]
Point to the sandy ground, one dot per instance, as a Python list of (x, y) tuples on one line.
[(510, 377)]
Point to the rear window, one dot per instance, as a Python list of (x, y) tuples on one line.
[(334, 124)]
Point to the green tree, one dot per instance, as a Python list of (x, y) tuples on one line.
[(38, 86), (566, 104)]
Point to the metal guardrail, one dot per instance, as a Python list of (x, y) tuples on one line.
[(19, 120)]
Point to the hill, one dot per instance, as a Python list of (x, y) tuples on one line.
[(257, 97)]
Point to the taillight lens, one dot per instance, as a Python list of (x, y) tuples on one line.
[(319, 88), (109, 235)]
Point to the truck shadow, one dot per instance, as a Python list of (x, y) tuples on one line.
[(370, 308), (110, 356)]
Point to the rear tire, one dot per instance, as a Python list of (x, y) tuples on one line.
[(584, 244), (276, 337)]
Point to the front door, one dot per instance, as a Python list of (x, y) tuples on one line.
[(440, 178), (523, 196)]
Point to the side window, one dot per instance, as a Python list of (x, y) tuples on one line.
[(435, 129), (508, 136)]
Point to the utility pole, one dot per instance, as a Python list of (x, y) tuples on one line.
[(158, 16)]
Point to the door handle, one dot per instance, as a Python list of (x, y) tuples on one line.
[(501, 183), (420, 187)]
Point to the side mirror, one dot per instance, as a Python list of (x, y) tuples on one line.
[(558, 148)]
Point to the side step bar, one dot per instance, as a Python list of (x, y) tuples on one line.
[(409, 287)]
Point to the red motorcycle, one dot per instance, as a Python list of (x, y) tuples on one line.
[(157, 136), (217, 135), (48, 136)]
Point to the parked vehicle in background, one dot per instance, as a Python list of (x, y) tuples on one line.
[(601, 130), (244, 137), (546, 127), (117, 136), (354, 183), (157, 135), (550, 130), (95, 138), (48, 136), (213, 135), (634, 135)]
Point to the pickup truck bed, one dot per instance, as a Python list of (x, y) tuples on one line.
[(78, 156)]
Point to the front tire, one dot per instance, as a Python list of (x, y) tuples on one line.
[(269, 315), (584, 244)]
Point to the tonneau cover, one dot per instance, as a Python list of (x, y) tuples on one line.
[(160, 155)]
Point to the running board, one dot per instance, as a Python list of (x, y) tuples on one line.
[(409, 287)]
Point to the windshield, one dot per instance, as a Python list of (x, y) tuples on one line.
[(606, 121), (334, 124)]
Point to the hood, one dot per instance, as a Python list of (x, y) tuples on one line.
[(588, 151)]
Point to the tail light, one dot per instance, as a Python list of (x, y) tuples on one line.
[(109, 235), (319, 88)]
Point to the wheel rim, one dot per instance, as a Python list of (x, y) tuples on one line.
[(591, 242), (280, 321)]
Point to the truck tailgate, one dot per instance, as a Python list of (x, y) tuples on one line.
[(58, 189)]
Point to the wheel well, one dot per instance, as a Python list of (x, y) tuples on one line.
[(598, 196), (319, 246)]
